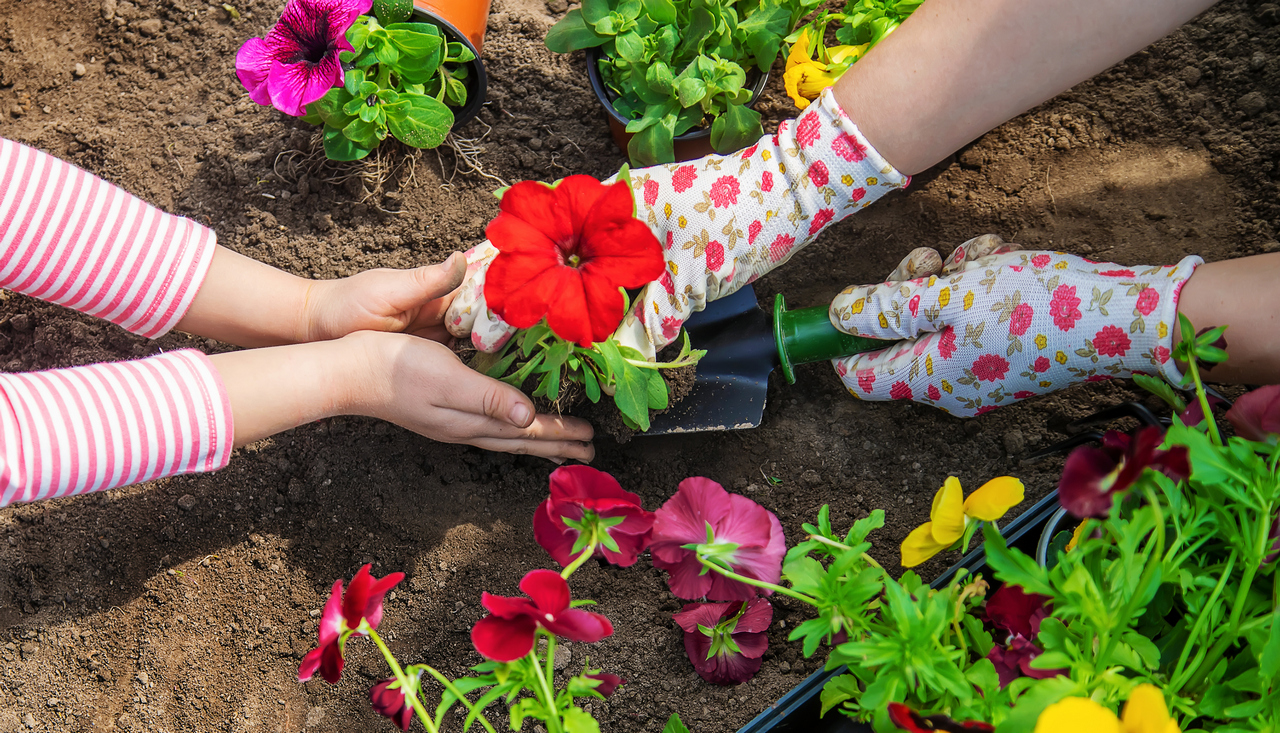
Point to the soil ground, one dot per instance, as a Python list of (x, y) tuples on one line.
[(186, 604)]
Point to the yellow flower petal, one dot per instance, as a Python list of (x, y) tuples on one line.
[(1145, 712), (1075, 715), (846, 54), (1075, 536), (948, 512), (802, 51), (920, 546), (806, 81), (994, 498)]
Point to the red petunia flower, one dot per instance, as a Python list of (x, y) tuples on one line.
[(909, 720), (1065, 307), (563, 254), (743, 535), (724, 192), (507, 633), (389, 700), (584, 503), (1256, 415), (352, 614), (725, 641), (1112, 341), (1092, 476), (990, 367)]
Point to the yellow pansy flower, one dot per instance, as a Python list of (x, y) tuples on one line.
[(1041, 341), (952, 512), (805, 77), (1145, 712), (944, 297)]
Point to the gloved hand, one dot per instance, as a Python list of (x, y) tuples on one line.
[(723, 220), (994, 325)]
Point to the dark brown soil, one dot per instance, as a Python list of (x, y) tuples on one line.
[(185, 605)]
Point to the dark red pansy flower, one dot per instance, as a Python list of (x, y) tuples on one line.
[(563, 254), (1092, 476), (389, 700), (1256, 415), (609, 683), (1194, 414), (909, 720), (507, 633), (1019, 614), (744, 535), (584, 502), (343, 616), (725, 641)]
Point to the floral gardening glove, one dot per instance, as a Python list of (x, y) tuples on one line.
[(723, 220), (993, 325)]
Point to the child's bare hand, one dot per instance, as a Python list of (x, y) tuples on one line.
[(398, 301)]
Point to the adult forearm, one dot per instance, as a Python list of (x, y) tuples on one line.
[(248, 303), (958, 68), (1243, 295)]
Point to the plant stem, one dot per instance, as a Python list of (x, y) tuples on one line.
[(1178, 669), (544, 692), (448, 684), (1204, 401), (841, 546), (1148, 571), (577, 561), (410, 695), (758, 583)]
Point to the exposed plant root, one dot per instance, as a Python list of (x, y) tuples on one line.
[(466, 157), (379, 176)]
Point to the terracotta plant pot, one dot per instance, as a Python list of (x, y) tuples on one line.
[(689, 146), (463, 21)]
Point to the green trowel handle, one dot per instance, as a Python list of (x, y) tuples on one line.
[(806, 335)]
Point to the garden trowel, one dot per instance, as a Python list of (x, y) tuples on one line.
[(744, 344)]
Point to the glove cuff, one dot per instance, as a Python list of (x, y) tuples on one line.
[(1178, 276)]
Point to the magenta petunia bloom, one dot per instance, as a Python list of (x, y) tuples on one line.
[(1019, 614), (725, 641), (584, 502), (389, 700), (1256, 415), (744, 536), (297, 63), (353, 614), (1092, 476), (507, 633)]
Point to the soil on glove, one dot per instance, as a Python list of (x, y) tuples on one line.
[(186, 604)]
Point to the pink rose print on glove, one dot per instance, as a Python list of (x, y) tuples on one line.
[(1022, 394), (780, 247), (1162, 354), (683, 178), (668, 284), (724, 192), (1116, 273), (1148, 299), (808, 130), (857, 194), (985, 410), (1065, 307), (1111, 341), (848, 147), (914, 305), (866, 380), (766, 181), (819, 174), (715, 256), (820, 220), (650, 192), (841, 369), (753, 231), (1020, 320), (671, 240), (749, 151), (670, 327), (1099, 378), (900, 391), (933, 393), (1041, 366), (1040, 261), (947, 342), (990, 367)]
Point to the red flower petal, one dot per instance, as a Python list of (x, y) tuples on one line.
[(756, 618), (575, 624), (554, 537), (506, 607), (1017, 611), (608, 682), (1256, 415), (503, 640), (549, 591), (706, 614), (1080, 489)]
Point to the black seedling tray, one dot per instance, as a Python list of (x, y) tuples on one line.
[(798, 710)]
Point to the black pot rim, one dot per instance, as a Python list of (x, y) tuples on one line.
[(477, 82), (1047, 534), (602, 94)]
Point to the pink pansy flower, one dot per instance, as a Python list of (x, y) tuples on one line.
[(683, 178), (808, 130), (1041, 261), (990, 367), (848, 147), (724, 192), (728, 529), (866, 380), (820, 220), (1020, 319), (297, 63), (900, 391), (1065, 307), (389, 700), (1256, 415), (780, 247), (507, 633), (1092, 476), (1111, 341), (1148, 299), (650, 192), (715, 255), (819, 174), (947, 342), (353, 614), (725, 641), (584, 503), (753, 231)]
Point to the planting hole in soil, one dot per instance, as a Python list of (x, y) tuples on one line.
[(190, 602)]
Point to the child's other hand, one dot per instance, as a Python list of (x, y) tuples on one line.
[(398, 301)]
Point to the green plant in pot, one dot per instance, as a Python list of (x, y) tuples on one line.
[(671, 68)]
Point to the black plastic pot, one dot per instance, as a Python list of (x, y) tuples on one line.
[(689, 146), (1059, 521), (798, 710), (477, 80)]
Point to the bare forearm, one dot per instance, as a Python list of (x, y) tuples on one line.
[(1243, 295), (958, 68), (248, 303)]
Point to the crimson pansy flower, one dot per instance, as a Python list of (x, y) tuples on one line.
[(1019, 614), (725, 641), (609, 683), (564, 252), (909, 720), (388, 699), (1256, 415), (727, 529), (353, 614), (297, 63), (1092, 476), (587, 505), (508, 632)]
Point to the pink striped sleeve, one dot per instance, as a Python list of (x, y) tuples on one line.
[(73, 239), (73, 431)]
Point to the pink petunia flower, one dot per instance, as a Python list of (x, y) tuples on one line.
[(724, 192), (725, 641), (586, 503), (728, 529), (683, 178), (1020, 319), (1112, 341), (508, 632), (1065, 307), (990, 367), (353, 614), (297, 63)]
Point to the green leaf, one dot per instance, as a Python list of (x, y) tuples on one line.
[(338, 146), (353, 80), (1013, 566), (409, 40), (631, 388), (658, 399), (674, 725), (839, 689), (736, 128), (690, 91), (460, 53), (590, 384), (661, 11), (362, 132), (594, 11), (425, 123), (629, 47), (572, 33), (387, 53), (392, 11), (653, 145), (577, 720), (358, 33), (1269, 663)]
